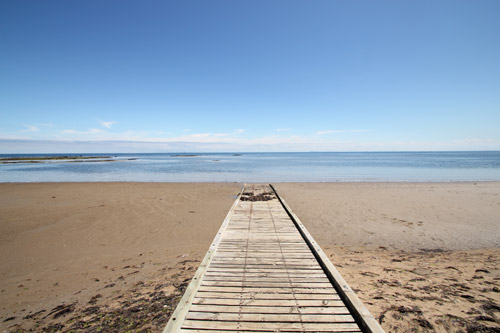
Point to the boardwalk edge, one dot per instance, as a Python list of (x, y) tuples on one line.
[(175, 322), (360, 313)]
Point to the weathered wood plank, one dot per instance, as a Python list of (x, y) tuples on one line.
[(282, 309), (266, 261), (269, 251), (264, 317), (278, 269), (267, 284), (187, 330), (259, 290), (224, 276), (264, 254), (209, 294), (269, 270), (271, 327), (232, 275), (271, 302), (263, 264)]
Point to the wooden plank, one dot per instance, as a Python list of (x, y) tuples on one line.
[(297, 259), (263, 246), (264, 317), (266, 248), (271, 327), (209, 294), (265, 260), (269, 270), (249, 251), (276, 254), (243, 290), (262, 252), (271, 274), (268, 309), (267, 284), (236, 243), (266, 265), (231, 276), (270, 302), (264, 268), (188, 330), (262, 278)]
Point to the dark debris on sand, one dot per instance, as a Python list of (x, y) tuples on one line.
[(145, 307), (249, 196)]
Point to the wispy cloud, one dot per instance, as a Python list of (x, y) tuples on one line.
[(338, 131), (107, 124), (30, 128), (230, 140), (89, 131), (97, 141), (228, 137), (325, 132), (198, 137)]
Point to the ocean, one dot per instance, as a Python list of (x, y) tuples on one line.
[(264, 167)]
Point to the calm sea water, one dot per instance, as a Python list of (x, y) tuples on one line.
[(265, 167)]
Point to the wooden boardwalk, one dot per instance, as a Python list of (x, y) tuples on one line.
[(265, 273)]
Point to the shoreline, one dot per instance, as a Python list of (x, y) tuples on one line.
[(88, 254)]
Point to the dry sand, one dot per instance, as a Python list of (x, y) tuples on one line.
[(62, 245), (117, 256)]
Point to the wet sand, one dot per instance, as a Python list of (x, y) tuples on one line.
[(117, 256)]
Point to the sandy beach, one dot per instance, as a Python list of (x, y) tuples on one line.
[(117, 256)]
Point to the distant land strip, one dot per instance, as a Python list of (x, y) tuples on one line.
[(64, 159)]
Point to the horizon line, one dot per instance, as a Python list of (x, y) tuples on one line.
[(265, 152)]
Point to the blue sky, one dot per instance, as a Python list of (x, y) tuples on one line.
[(152, 76)]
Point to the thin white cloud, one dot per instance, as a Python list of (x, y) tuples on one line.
[(338, 131), (283, 129), (98, 134), (229, 137), (89, 131), (30, 128), (129, 141), (107, 124), (234, 140), (198, 137)]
